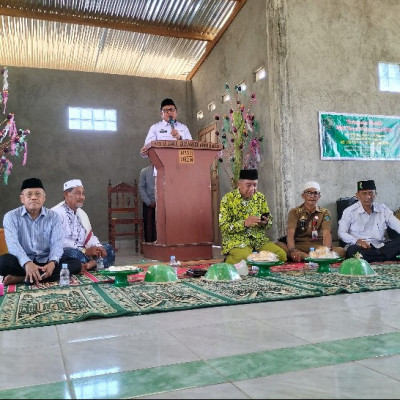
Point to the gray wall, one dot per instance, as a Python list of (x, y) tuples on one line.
[(40, 99), (334, 50), (321, 55)]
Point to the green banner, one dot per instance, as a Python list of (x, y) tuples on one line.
[(359, 137)]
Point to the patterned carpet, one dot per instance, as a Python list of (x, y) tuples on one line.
[(94, 296)]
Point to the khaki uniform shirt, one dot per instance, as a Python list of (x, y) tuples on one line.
[(305, 223)]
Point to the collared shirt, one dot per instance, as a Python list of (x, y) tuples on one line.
[(233, 212), (304, 222), (74, 231), (146, 185), (356, 224), (162, 131), (27, 239)]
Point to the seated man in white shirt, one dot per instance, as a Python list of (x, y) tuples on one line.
[(79, 240), (363, 226)]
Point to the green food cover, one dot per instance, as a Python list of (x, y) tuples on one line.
[(356, 266), (160, 273), (222, 272)]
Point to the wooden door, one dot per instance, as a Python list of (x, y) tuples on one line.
[(208, 135)]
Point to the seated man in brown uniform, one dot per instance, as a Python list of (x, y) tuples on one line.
[(308, 226)]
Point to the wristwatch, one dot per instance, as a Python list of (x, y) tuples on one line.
[(84, 251)]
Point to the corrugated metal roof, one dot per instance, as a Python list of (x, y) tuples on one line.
[(148, 38)]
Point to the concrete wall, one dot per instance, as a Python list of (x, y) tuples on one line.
[(334, 47), (321, 55), (240, 52), (40, 100)]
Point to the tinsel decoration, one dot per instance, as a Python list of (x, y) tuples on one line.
[(12, 141), (239, 136)]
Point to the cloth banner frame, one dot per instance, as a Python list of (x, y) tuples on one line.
[(359, 137)]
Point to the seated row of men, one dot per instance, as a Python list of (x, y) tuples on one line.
[(245, 216), (39, 240)]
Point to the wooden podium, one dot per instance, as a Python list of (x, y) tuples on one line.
[(183, 196)]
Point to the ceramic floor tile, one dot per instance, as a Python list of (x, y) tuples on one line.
[(116, 354), (388, 365), (343, 381), (107, 328), (32, 366), (201, 317), (383, 314), (273, 362), (57, 390), (365, 347), (30, 337), (228, 339), (328, 326), (221, 391), (146, 381)]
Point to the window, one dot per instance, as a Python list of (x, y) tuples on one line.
[(200, 114), (241, 86), (211, 106), (92, 119), (389, 77), (259, 74), (225, 97)]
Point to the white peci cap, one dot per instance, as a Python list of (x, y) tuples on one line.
[(72, 183), (310, 185)]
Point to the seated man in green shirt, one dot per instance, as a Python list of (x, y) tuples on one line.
[(243, 218)]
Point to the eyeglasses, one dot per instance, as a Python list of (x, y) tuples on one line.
[(371, 193), (167, 110), (32, 194), (309, 193)]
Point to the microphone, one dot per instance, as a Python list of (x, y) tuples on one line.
[(172, 122)]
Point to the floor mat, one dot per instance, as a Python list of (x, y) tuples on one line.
[(92, 296)]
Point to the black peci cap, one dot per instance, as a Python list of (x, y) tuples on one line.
[(250, 174), (32, 183), (167, 102), (366, 185)]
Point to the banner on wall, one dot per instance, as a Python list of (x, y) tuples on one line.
[(359, 137)]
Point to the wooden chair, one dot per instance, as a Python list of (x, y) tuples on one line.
[(123, 211)]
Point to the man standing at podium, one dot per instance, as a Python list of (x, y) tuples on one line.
[(168, 128)]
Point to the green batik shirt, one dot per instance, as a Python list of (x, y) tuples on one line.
[(232, 214)]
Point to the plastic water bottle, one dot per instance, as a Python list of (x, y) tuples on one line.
[(310, 263), (174, 264), (64, 275), (100, 263), (254, 268)]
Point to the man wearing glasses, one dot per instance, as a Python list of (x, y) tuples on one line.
[(363, 226), (34, 238), (308, 225), (168, 128)]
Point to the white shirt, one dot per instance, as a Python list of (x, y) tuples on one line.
[(162, 131), (356, 224), (75, 234)]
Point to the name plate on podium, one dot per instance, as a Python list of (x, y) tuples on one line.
[(187, 144), (186, 156)]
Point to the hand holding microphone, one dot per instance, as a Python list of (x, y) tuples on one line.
[(174, 132)]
